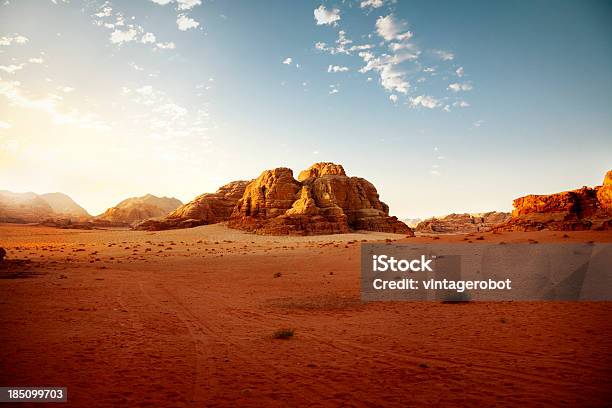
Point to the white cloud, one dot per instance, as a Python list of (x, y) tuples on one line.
[(119, 37), (456, 87), (185, 23), (66, 89), (181, 4), (391, 29), (392, 78), (444, 55), (187, 4), (401, 46), (424, 101), (15, 38), (148, 38), (343, 45), (324, 16), (478, 123), (37, 60), (11, 69), (459, 72), (372, 3), (287, 61), (393, 98), (333, 89), (5, 125), (166, 46), (337, 68)]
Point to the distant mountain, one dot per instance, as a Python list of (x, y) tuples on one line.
[(411, 222), (135, 209), (63, 204), (23, 207)]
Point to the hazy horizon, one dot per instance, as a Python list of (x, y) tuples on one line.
[(460, 111)]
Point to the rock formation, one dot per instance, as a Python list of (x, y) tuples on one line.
[(133, 210), (582, 209), (324, 200), (208, 208), (463, 223)]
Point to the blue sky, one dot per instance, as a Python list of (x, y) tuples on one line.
[(444, 106)]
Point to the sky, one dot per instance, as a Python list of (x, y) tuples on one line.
[(444, 106)]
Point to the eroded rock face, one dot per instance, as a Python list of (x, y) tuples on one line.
[(463, 223), (322, 169), (208, 208), (582, 209), (136, 209), (322, 201)]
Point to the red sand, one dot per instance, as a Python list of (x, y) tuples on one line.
[(192, 325)]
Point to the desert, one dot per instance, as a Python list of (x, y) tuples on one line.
[(339, 203), (188, 318)]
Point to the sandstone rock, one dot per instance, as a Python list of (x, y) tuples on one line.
[(322, 201), (463, 223), (321, 169), (582, 209), (136, 209), (604, 193), (208, 208)]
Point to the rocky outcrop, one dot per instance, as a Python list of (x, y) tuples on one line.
[(322, 201), (136, 209), (463, 223), (582, 209), (208, 208)]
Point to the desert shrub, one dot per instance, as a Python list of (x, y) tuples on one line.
[(283, 334)]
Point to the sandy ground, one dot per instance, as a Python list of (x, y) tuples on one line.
[(186, 318)]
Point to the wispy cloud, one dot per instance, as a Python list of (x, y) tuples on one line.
[(337, 68), (457, 87), (50, 104), (443, 55), (372, 3), (11, 69), (13, 39)]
